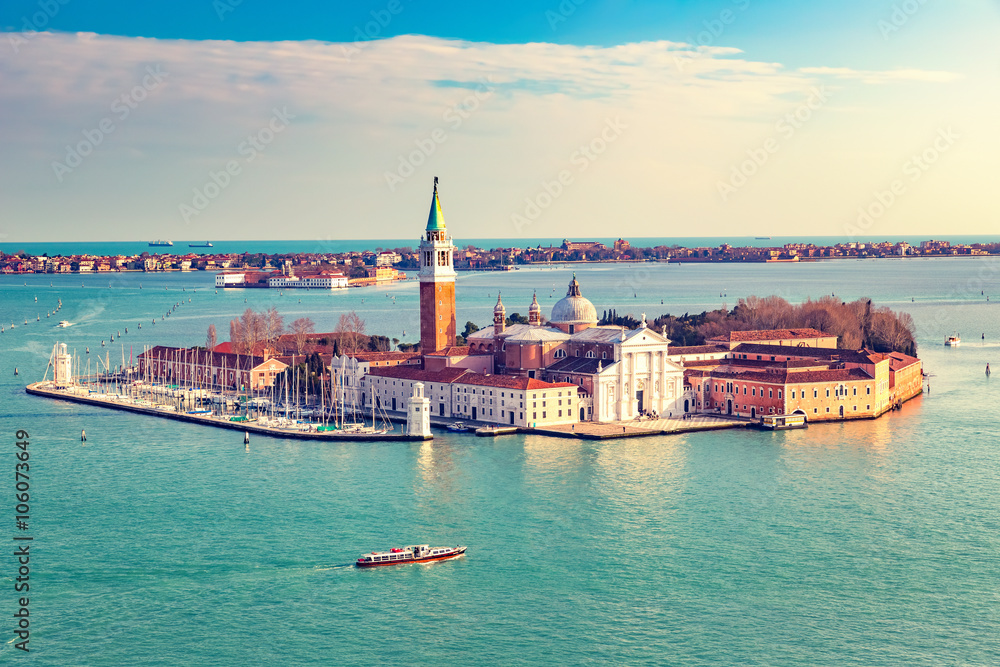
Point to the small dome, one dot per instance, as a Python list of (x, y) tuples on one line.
[(574, 308), (499, 307)]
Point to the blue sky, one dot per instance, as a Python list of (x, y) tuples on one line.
[(844, 33), (713, 117)]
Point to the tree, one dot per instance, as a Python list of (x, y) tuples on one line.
[(252, 330), (301, 328), (272, 325), (212, 338), (378, 343), (470, 329), (236, 335), (350, 332)]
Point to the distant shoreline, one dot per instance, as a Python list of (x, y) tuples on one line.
[(526, 265)]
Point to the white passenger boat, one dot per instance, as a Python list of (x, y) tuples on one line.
[(421, 553), (953, 341)]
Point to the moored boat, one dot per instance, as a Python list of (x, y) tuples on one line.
[(458, 426), (783, 422), (421, 553)]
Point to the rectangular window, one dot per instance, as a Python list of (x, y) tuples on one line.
[(815, 393), (543, 414), (560, 413), (828, 393), (534, 415)]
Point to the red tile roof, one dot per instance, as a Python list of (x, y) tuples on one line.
[(383, 356), (898, 361), (772, 334), (404, 372), (453, 351), (861, 356), (510, 382), (802, 377), (464, 376), (697, 349)]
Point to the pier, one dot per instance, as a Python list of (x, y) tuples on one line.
[(115, 402)]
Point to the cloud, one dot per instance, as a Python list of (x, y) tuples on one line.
[(890, 76), (360, 111)]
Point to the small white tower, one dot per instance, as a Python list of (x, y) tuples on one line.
[(418, 413), (62, 363)]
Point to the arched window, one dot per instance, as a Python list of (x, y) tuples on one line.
[(590, 354)]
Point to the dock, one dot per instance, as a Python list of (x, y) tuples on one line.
[(48, 390)]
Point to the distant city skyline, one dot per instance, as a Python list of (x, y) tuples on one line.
[(569, 119)]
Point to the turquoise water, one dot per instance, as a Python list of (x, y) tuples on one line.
[(161, 543)]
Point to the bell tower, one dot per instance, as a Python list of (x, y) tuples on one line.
[(437, 282), (499, 317)]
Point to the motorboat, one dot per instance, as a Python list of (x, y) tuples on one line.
[(421, 553)]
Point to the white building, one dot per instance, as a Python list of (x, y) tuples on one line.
[(229, 279), (318, 281), (458, 393), (620, 374)]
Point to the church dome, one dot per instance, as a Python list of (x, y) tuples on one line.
[(574, 308)]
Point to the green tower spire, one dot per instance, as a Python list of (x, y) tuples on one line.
[(435, 221)]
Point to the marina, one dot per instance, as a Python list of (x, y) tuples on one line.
[(276, 429)]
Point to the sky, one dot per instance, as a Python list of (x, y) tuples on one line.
[(239, 119)]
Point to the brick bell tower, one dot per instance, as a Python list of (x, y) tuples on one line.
[(437, 282)]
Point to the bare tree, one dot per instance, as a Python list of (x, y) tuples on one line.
[(252, 327), (350, 331), (212, 338), (272, 324), (236, 335), (301, 328)]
